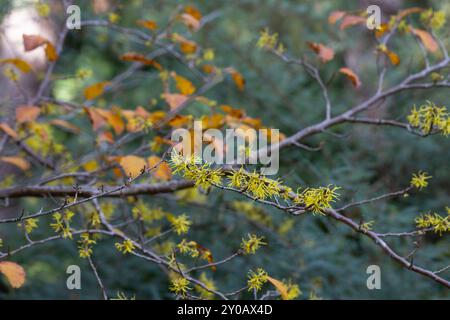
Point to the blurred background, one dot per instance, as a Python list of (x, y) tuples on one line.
[(326, 259)]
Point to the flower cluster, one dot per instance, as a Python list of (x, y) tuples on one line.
[(180, 286), (256, 279), (293, 290), (62, 223), (429, 117), (419, 180), (85, 245), (317, 199), (269, 41), (180, 224), (29, 225), (126, 246), (253, 243), (435, 221), (433, 19), (188, 247), (255, 184)]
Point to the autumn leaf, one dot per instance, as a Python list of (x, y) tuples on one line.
[(186, 46), (8, 130), (213, 121), (280, 286), (382, 29), (106, 136), (132, 165), (174, 100), (179, 121), (162, 171), (149, 24), (184, 85), (351, 75), (235, 113), (190, 21), (426, 38), (27, 113), (17, 161), (193, 11), (97, 120), (13, 272), (113, 118), (324, 53), (393, 57), (32, 42), (18, 63), (95, 90), (50, 52), (65, 125), (403, 13), (335, 16), (351, 20), (237, 77), (136, 57)]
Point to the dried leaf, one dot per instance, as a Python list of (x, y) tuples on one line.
[(427, 39), (13, 272), (97, 120), (32, 42), (133, 165), (19, 63), (174, 100), (280, 286), (162, 171), (27, 113), (186, 46), (406, 12), (149, 24), (95, 90), (136, 57), (193, 11), (113, 118), (8, 130), (324, 53), (179, 121), (190, 21), (184, 85), (50, 52), (17, 161), (351, 75), (237, 77), (65, 125), (351, 20)]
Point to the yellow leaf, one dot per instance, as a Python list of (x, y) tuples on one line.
[(13, 272), (427, 39), (19, 63), (27, 113), (162, 171), (132, 165), (280, 286), (351, 75), (95, 90), (184, 85), (8, 130), (17, 161)]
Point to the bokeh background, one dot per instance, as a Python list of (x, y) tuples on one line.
[(323, 257)]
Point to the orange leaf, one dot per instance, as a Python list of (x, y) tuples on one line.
[(95, 90), (162, 171), (178, 121), (16, 161), (335, 16), (65, 125), (351, 75), (114, 119), (106, 136), (149, 24), (325, 53), (136, 57), (238, 79), (132, 165), (351, 20), (393, 57), (50, 52), (427, 39), (184, 85), (96, 118), (19, 63), (27, 113), (407, 12), (13, 272), (8, 130), (280, 286), (186, 46), (213, 121), (193, 11), (174, 100), (382, 29), (190, 21)]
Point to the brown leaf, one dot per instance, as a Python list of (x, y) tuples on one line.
[(27, 113), (351, 20), (132, 165), (8, 130), (335, 16), (13, 272), (280, 286), (136, 57), (65, 125), (162, 171), (19, 63), (406, 12), (351, 75), (32, 42), (190, 21), (324, 53), (17, 161), (95, 90), (427, 39)]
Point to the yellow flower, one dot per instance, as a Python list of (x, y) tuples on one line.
[(180, 224), (189, 247), (126, 246), (29, 224), (433, 19), (180, 286), (62, 223), (419, 180), (266, 40), (318, 199), (208, 54), (253, 243), (42, 9), (256, 279), (85, 245), (293, 290), (435, 221)]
